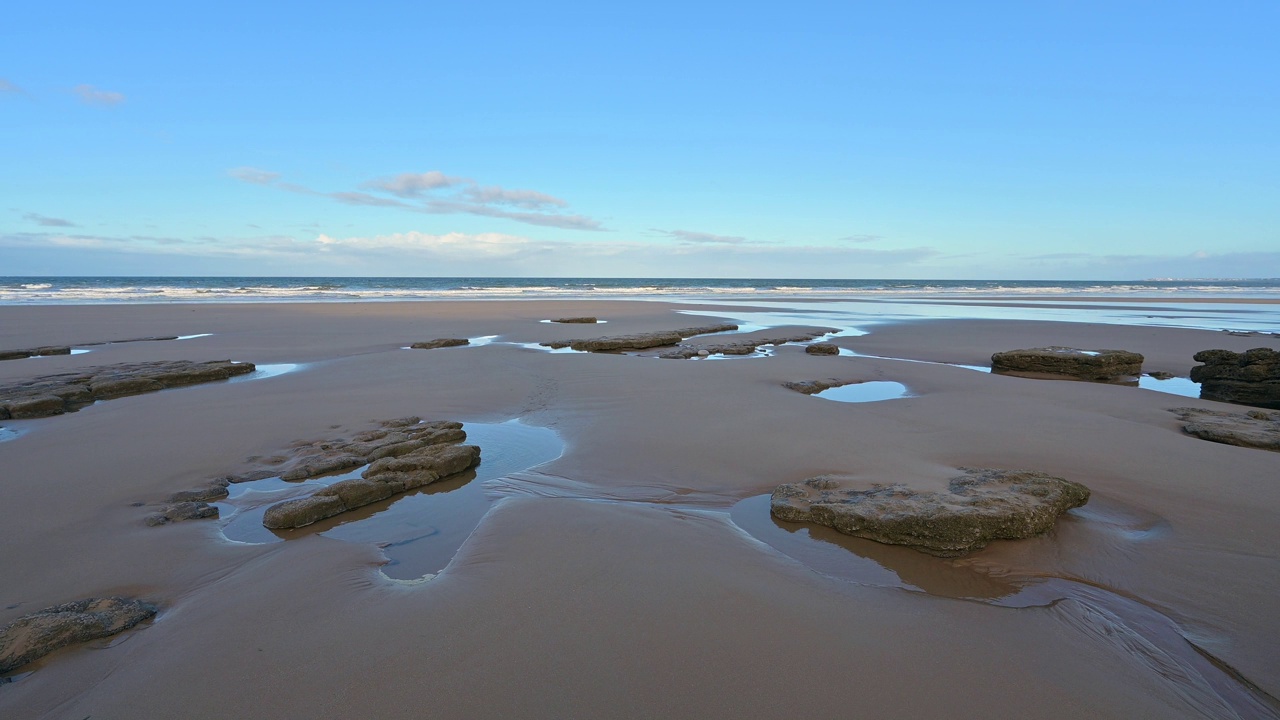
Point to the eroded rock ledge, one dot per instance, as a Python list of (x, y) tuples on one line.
[(66, 349), (67, 392), (403, 455), (1248, 378), (979, 506), (745, 346), (1253, 429), (577, 320), (33, 636), (638, 341), (1093, 365), (812, 387), (440, 343)]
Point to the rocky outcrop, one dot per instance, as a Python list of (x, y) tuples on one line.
[(31, 637), (440, 343), (179, 511), (1094, 365), (638, 341), (1253, 429), (977, 507), (34, 352), (577, 320), (67, 392), (823, 348), (1248, 378), (811, 387), (384, 478), (745, 346)]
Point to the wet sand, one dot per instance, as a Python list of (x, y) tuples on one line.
[(638, 574)]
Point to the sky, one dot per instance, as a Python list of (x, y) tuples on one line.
[(984, 140)]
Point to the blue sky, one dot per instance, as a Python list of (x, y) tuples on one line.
[(1046, 140)]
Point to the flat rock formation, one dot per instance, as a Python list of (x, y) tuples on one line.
[(1253, 429), (978, 507), (1248, 378), (34, 352), (385, 477), (440, 343), (745, 346), (402, 454), (67, 392), (582, 320), (31, 637), (179, 511), (1093, 365), (823, 348), (811, 387), (638, 341)]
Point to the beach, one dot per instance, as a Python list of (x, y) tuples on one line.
[(637, 573)]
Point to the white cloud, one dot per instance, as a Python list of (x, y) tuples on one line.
[(702, 238), (93, 96), (409, 185), (531, 199), (45, 221), (456, 245)]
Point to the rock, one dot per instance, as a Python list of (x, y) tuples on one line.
[(32, 637), (52, 350), (180, 511), (384, 478), (1161, 375), (34, 352), (639, 341), (314, 466), (67, 392), (584, 320), (1248, 378), (440, 343), (1094, 365), (215, 490), (810, 387), (823, 349), (1254, 429), (978, 507), (745, 346)]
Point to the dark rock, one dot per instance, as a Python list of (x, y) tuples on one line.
[(67, 392), (215, 490), (1095, 365), (384, 478), (52, 350), (745, 346), (180, 511), (1254, 429), (314, 466), (810, 387), (31, 637), (440, 343), (639, 341), (402, 422), (1248, 378), (823, 349), (583, 320), (978, 507), (1161, 375)]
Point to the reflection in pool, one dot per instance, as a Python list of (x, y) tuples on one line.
[(872, 391), (419, 531)]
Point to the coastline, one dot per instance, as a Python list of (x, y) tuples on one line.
[(613, 580)]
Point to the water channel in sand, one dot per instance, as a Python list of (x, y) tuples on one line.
[(419, 531)]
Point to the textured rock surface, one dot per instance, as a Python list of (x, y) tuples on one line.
[(745, 346), (823, 349), (440, 343), (810, 387), (582, 320), (1096, 365), (1253, 429), (402, 454), (34, 352), (179, 511), (638, 341), (67, 392), (1248, 378), (33, 636), (978, 507)]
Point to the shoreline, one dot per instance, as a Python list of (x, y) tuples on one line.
[(613, 579)]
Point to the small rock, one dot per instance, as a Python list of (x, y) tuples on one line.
[(1094, 365), (810, 387), (440, 343), (1161, 375), (178, 512), (583, 320), (823, 349), (33, 636)]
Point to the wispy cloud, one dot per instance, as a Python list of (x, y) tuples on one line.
[(703, 238), (91, 95), (860, 239), (47, 221), (436, 193), (8, 87)]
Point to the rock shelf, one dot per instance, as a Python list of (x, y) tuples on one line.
[(979, 506), (33, 636), (1092, 365), (1253, 429), (737, 347), (639, 341), (1248, 378), (440, 343), (67, 392)]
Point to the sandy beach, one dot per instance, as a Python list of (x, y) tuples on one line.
[(638, 574)]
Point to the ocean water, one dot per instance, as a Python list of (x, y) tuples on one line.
[(81, 290)]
